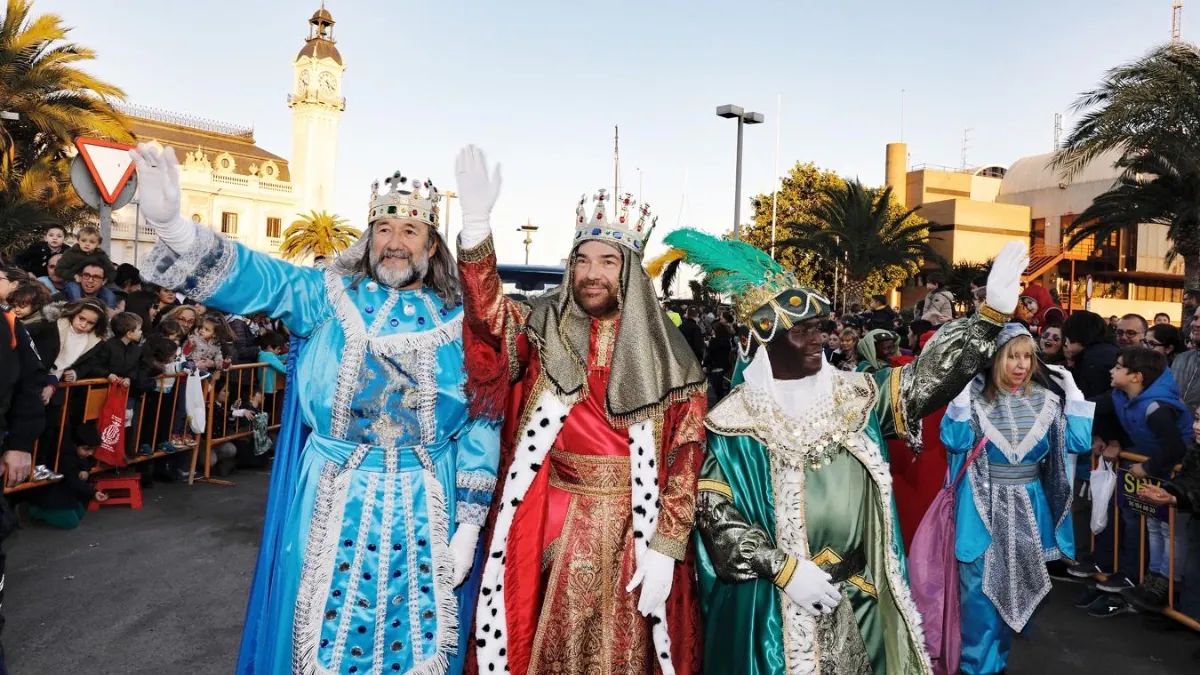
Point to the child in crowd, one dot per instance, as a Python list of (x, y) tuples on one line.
[(211, 343), (273, 352), (86, 252), (1146, 402), (118, 357), (34, 258), (27, 302), (61, 505), (1183, 492)]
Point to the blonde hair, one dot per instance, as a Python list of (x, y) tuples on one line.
[(997, 378)]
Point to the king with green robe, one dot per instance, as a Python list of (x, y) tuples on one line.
[(800, 561)]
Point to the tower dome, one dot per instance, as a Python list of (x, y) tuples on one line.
[(320, 42)]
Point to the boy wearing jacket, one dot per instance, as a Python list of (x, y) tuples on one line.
[(1147, 404)]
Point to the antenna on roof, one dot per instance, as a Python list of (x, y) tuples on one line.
[(966, 144), (1176, 21), (1058, 120)]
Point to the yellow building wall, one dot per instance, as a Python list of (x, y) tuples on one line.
[(980, 229), (927, 185)]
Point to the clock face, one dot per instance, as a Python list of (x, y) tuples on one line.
[(328, 84), (302, 82)]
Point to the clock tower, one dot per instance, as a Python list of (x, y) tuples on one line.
[(317, 104)]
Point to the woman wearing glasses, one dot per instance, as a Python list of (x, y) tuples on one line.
[(1166, 340)]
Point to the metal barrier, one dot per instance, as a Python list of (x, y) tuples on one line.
[(92, 394), (245, 379), (1115, 522)]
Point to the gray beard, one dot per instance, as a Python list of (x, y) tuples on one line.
[(417, 268)]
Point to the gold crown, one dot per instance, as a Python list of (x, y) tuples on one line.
[(622, 231), (405, 198)]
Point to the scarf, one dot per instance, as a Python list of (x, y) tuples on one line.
[(652, 364)]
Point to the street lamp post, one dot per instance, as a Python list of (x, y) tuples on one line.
[(528, 228), (448, 195), (743, 118)]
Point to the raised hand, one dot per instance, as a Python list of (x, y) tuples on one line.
[(1067, 381), (1004, 281), (158, 183), (477, 192)]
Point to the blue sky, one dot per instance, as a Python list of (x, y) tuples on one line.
[(539, 85)]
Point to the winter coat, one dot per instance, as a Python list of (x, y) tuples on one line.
[(1092, 368), (35, 258), (43, 329), (1157, 423), (72, 490), (111, 357), (1187, 374), (1186, 484), (939, 301), (74, 260)]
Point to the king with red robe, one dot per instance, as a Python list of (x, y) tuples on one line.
[(587, 567)]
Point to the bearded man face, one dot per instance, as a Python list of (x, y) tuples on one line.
[(596, 279), (400, 251)]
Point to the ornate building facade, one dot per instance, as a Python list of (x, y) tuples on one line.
[(231, 184)]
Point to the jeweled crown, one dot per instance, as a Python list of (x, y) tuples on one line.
[(405, 198), (631, 228)]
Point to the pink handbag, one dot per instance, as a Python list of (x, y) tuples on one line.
[(933, 577)]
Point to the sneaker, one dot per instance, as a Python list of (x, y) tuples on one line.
[(1060, 570), (1087, 596), (43, 472), (1084, 570), (1150, 595), (1109, 606), (1115, 583)]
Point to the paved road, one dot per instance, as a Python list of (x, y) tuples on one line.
[(162, 591)]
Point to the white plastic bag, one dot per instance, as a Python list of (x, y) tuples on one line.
[(194, 400), (1103, 483)]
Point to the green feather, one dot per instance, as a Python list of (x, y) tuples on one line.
[(731, 266)]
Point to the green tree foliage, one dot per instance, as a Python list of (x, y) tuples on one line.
[(56, 101), (1149, 111), (823, 219), (317, 234)]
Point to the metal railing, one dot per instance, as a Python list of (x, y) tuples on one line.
[(82, 402), (1115, 523)]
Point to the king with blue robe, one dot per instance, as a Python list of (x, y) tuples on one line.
[(381, 478)]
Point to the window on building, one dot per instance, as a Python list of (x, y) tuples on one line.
[(1159, 292), (228, 222), (274, 227)]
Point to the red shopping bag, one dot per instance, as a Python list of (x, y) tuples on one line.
[(111, 425)]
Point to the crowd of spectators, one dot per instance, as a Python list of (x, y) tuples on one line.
[(87, 319)]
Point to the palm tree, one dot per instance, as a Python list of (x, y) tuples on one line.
[(1158, 186), (865, 235), (55, 102), (1149, 110), (1138, 106), (317, 234)]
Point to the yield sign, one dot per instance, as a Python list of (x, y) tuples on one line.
[(109, 163)]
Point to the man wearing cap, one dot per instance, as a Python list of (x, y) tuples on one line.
[(801, 563), (587, 568), (382, 479)]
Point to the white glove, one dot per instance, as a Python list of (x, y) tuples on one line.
[(1067, 382), (1004, 281), (477, 193), (810, 589), (655, 575), (462, 547), (158, 195)]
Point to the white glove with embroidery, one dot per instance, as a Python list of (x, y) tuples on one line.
[(1004, 281), (811, 590), (462, 547), (158, 195), (655, 575), (1067, 382), (477, 193)]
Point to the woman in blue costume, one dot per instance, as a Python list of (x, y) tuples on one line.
[(1013, 509), (382, 480)]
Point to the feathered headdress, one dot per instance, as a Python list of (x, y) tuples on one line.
[(765, 295)]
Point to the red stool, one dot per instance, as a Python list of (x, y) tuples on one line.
[(120, 490)]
